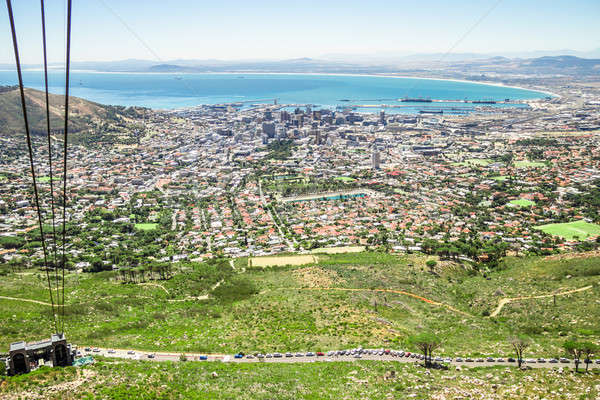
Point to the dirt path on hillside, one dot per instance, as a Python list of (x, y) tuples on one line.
[(415, 296), (202, 297), (155, 284), (507, 300), (28, 301)]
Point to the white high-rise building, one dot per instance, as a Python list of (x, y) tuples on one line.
[(375, 159)]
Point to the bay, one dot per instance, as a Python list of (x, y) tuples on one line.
[(172, 91)]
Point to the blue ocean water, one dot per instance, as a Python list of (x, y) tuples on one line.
[(170, 91)]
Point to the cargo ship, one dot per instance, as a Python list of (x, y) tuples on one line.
[(416, 100)]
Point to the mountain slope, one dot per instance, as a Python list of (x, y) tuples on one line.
[(83, 114)]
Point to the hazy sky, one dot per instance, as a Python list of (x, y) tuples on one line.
[(260, 29)]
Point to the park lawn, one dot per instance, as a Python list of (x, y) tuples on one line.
[(523, 203), (322, 306), (146, 226), (130, 379), (345, 179), (529, 164), (569, 230)]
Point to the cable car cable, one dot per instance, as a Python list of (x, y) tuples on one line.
[(25, 120), (66, 131)]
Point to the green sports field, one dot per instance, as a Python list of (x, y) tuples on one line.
[(569, 230), (523, 203), (146, 227), (529, 164)]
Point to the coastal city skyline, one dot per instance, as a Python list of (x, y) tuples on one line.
[(272, 30), (300, 200)]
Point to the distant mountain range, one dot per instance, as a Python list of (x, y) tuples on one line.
[(564, 64)]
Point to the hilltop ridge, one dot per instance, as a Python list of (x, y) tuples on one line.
[(83, 114)]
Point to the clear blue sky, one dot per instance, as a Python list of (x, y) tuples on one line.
[(267, 29)]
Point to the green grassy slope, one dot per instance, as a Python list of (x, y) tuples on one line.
[(359, 380), (288, 308)]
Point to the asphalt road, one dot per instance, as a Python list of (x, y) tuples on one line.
[(174, 356)]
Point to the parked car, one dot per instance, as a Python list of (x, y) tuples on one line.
[(249, 356), (87, 349), (459, 359), (357, 356), (289, 355), (500, 359), (260, 355), (269, 355), (131, 352), (479, 360), (238, 355), (299, 355), (553, 361), (310, 354), (203, 358), (510, 359), (469, 360), (150, 355), (277, 355), (564, 360), (320, 353), (541, 360), (96, 350), (111, 351), (490, 359)]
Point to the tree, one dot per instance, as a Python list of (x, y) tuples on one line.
[(574, 349), (431, 264), (519, 344), (589, 349), (426, 343)]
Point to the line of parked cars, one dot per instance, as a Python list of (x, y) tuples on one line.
[(359, 352)]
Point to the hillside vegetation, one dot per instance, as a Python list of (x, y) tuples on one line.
[(86, 119), (125, 379), (344, 300)]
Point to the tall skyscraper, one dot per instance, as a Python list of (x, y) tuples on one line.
[(375, 159)]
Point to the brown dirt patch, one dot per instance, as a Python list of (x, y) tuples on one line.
[(316, 277)]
